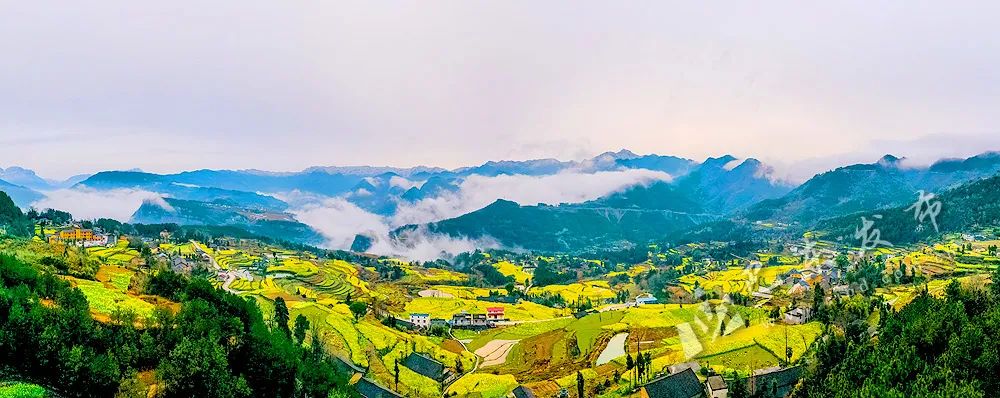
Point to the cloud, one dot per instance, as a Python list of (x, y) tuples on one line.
[(403, 183), (476, 192), (88, 203), (422, 245), (339, 220), (915, 152)]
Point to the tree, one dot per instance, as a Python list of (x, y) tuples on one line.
[(198, 368), (842, 261), (995, 277), (819, 304), (738, 387), (953, 290), (396, 374), (281, 316), (579, 384), (359, 309), (640, 367), (301, 326)]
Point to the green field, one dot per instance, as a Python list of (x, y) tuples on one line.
[(483, 385), (105, 300), (21, 390)]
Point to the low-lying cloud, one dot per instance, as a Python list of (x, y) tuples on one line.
[(88, 203), (476, 192), (340, 220)]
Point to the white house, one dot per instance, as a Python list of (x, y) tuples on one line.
[(643, 300), (797, 316), (420, 320)]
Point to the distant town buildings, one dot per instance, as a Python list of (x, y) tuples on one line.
[(76, 235)]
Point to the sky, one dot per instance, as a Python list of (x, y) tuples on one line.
[(99, 85)]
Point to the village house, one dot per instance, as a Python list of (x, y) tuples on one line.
[(439, 322), (684, 384), (645, 299), (522, 392), (75, 234), (716, 387), (425, 366), (799, 287), (370, 389), (763, 293), (680, 367), (466, 320), (782, 381), (495, 314), (461, 319), (798, 316), (420, 320)]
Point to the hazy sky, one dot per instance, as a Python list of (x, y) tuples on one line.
[(282, 85)]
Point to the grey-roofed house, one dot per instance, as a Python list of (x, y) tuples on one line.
[(370, 389), (425, 366), (523, 392), (717, 387), (781, 380), (684, 384)]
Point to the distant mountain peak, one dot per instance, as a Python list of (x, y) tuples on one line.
[(719, 161), (889, 160), (621, 154)]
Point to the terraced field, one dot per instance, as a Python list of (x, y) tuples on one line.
[(233, 259), (337, 279), (735, 279), (595, 291), (483, 385), (118, 277), (104, 299), (510, 269), (119, 254), (294, 266)]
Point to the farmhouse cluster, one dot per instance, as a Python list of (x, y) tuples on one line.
[(74, 234), (462, 320)]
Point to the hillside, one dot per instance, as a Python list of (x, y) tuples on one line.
[(635, 215), (170, 186), (862, 187), (567, 228), (966, 208), (22, 196), (274, 225), (12, 220)]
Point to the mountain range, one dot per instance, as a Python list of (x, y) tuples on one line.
[(717, 189)]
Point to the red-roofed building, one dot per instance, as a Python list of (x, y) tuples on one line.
[(495, 314)]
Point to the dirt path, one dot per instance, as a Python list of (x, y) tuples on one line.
[(444, 388), (434, 293)]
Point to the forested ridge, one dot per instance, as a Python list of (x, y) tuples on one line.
[(216, 345), (932, 347)]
